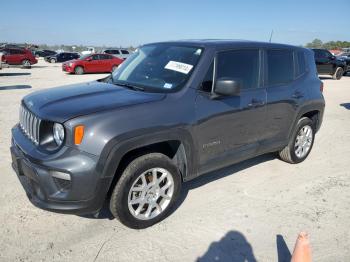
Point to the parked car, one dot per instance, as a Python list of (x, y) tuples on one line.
[(328, 64), (62, 57), (170, 113), (2, 60), (96, 63), (89, 51), (18, 56), (346, 58), (120, 53), (44, 53)]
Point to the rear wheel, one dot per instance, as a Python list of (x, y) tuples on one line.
[(52, 60), (146, 191), (114, 68), (26, 63), (301, 142), (338, 73), (78, 70)]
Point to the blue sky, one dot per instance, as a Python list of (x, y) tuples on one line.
[(132, 22)]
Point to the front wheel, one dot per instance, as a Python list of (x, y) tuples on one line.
[(52, 60), (78, 70), (146, 191), (338, 73), (301, 142), (26, 63)]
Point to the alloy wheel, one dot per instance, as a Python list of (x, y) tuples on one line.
[(303, 141), (151, 193)]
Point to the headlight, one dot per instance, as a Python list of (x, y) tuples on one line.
[(58, 133), (70, 64)]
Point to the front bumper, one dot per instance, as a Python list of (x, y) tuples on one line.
[(84, 194), (67, 68)]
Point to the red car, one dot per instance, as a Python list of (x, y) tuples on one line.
[(18, 56), (95, 63)]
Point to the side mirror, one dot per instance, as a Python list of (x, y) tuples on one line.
[(227, 86), (332, 57)]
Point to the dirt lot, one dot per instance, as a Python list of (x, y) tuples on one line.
[(253, 209)]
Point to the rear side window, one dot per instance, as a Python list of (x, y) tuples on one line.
[(105, 57), (125, 52), (300, 65), (280, 67), (241, 65)]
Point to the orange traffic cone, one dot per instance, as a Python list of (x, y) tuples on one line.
[(302, 249)]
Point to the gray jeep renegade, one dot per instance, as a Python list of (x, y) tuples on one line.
[(170, 113)]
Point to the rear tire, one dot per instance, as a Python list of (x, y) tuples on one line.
[(338, 73), (141, 198), (300, 143), (78, 70), (52, 60)]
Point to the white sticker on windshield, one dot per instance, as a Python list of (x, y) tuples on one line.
[(168, 86), (179, 67)]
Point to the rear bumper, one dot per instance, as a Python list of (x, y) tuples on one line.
[(85, 192)]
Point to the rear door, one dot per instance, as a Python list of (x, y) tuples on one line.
[(324, 62), (284, 71), (230, 127)]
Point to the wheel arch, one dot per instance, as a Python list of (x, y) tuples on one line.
[(178, 148)]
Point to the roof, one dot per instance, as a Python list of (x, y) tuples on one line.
[(225, 43)]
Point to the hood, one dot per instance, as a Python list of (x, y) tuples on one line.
[(70, 61), (63, 103)]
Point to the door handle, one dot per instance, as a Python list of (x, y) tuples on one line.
[(256, 103), (298, 95)]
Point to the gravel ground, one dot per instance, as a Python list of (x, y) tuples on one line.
[(254, 209)]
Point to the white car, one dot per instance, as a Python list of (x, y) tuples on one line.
[(89, 51), (118, 52)]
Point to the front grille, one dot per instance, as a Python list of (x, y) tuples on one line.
[(30, 124)]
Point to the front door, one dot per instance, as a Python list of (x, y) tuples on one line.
[(229, 127)]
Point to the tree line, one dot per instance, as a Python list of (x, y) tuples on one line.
[(331, 45)]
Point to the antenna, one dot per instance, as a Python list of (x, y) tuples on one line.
[(271, 35)]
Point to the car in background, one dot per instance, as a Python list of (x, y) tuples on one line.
[(95, 63), (62, 57), (44, 53), (328, 64), (2, 61), (118, 52), (89, 51), (346, 58), (18, 56)]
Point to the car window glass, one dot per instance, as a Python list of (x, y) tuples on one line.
[(279, 67), (95, 57), (300, 65), (240, 65), (125, 52), (207, 82)]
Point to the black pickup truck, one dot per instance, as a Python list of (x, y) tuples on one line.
[(328, 64)]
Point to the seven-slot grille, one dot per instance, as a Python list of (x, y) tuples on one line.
[(30, 124)]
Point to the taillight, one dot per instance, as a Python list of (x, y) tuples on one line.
[(321, 87)]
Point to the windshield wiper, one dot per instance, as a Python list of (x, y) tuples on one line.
[(128, 85)]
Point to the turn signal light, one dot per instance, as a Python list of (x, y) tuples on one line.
[(78, 134)]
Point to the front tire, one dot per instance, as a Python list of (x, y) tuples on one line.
[(52, 60), (78, 70), (26, 63), (301, 142), (146, 191), (338, 73)]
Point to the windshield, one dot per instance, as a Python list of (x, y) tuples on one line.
[(84, 57), (158, 67)]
